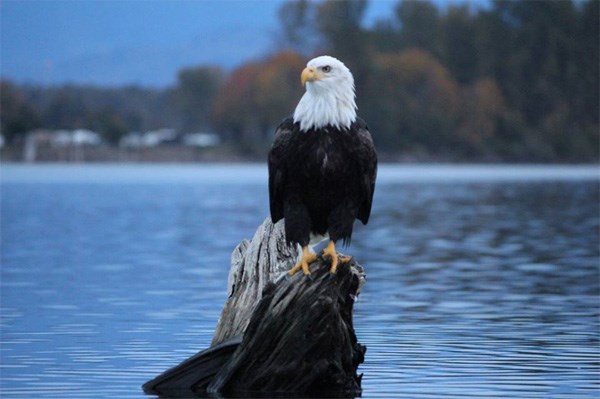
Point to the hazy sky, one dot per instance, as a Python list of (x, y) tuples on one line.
[(115, 42)]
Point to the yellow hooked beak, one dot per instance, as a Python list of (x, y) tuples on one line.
[(309, 74)]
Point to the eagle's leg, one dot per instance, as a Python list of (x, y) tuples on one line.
[(335, 259), (308, 257)]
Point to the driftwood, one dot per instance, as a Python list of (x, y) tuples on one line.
[(253, 264), (191, 377), (298, 336), (300, 339)]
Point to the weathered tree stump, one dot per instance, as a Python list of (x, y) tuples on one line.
[(253, 264), (298, 336)]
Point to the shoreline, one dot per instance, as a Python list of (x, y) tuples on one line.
[(257, 173), (174, 154)]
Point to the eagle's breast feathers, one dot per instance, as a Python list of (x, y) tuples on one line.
[(322, 160), (322, 164)]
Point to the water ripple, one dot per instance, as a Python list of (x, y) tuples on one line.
[(477, 286)]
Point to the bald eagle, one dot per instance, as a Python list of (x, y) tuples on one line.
[(322, 164)]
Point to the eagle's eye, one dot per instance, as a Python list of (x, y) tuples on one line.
[(326, 69)]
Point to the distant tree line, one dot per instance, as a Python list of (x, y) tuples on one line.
[(517, 81)]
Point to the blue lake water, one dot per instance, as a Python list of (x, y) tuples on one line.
[(482, 281)]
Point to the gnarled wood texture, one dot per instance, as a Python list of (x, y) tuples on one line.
[(253, 265), (277, 334), (300, 338)]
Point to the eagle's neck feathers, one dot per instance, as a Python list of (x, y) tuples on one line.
[(325, 104)]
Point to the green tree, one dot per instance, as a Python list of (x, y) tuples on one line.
[(195, 95), (256, 97), (585, 81), (419, 23), (482, 111), (278, 90), (110, 124), (549, 62), (459, 53), (235, 112), (16, 114), (340, 25), (417, 104), (66, 109), (493, 40), (297, 22)]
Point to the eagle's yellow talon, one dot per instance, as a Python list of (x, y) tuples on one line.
[(335, 258), (333, 268), (307, 258)]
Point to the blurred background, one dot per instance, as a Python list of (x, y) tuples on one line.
[(483, 277), (491, 81)]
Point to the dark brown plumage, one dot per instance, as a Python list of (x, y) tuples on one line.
[(321, 180)]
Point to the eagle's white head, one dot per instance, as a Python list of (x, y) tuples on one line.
[(329, 97)]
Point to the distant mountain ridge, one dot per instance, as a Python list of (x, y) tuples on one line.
[(157, 66)]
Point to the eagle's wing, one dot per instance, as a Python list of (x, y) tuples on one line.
[(277, 168), (367, 158)]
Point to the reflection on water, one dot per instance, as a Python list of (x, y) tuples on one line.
[(478, 286)]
